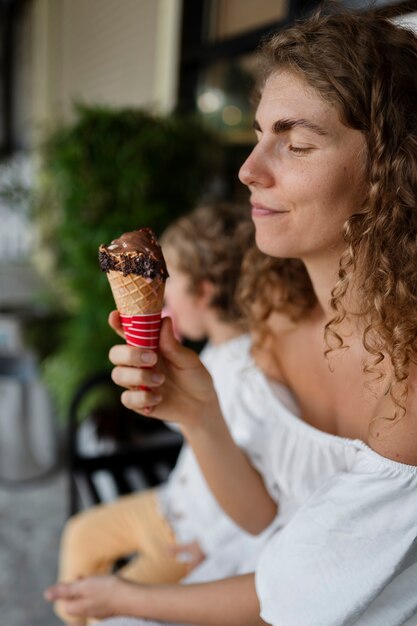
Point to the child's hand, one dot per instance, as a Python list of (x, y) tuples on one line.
[(173, 385), (116, 324), (98, 596), (188, 553)]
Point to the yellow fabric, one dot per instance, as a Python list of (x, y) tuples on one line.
[(94, 539)]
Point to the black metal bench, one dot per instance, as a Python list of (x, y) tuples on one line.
[(144, 453)]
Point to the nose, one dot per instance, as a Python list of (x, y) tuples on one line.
[(255, 171)]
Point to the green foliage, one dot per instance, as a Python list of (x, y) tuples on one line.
[(109, 172)]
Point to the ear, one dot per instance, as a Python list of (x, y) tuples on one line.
[(205, 293)]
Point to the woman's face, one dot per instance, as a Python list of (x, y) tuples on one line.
[(306, 173)]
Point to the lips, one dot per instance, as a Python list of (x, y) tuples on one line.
[(259, 210)]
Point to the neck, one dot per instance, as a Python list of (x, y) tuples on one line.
[(219, 331), (323, 272)]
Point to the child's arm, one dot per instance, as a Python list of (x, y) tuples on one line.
[(187, 396), (229, 602)]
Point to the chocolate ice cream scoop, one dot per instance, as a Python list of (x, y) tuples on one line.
[(136, 252), (136, 270)]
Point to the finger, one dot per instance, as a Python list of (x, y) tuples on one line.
[(166, 312), (49, 594), (134, 377), (172, 350), (132, 356), (141, 401), (76, 607), (61, 591), (115, 323)]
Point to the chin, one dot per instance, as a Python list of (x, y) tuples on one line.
[(272, 247), (194, 335)]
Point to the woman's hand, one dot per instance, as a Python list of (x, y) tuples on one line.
[(173, 385), (116, 324), (98, 596)]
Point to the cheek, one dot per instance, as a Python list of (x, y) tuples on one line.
[(344, 192), (173, 297), (168, 295)]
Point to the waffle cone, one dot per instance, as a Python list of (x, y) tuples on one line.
[(136, 295)]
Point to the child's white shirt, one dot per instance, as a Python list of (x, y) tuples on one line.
[(186, 500)]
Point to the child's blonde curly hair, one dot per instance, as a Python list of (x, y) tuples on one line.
[(209, 244)]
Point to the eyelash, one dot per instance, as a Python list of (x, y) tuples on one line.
[(297, 150)]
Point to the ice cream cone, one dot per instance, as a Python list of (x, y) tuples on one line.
[(136, 295), (139, 301), (137, 273)]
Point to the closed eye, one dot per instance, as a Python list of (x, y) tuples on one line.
[(299, 149)]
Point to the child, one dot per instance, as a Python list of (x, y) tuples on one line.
[(178, 525)]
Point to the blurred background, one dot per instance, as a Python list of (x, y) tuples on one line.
[(114, 114)]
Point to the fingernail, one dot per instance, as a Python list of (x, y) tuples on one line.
[(148, 357), (155, 398), (158, 378)]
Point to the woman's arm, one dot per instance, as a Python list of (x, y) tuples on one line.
[(229, 602), (186, 395), (234, 482)]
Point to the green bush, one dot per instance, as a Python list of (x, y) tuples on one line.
[(108, 172)]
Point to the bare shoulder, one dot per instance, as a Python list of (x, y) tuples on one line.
[(397, 440), (268, 350)]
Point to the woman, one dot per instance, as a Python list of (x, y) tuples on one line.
[(333, 184)]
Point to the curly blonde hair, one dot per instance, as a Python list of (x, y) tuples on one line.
[(365, 66), (209, 244)]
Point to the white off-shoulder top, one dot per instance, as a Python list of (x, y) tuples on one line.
[(345, 548)]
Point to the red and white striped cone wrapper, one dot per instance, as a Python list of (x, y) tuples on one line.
[(142, 330)]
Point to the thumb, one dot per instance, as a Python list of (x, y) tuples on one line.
[(115, 323), (175, 353)]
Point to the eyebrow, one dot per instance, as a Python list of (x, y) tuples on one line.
[(281, 126)]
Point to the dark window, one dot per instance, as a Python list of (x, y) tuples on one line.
[(218, 59), (11, 15)]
